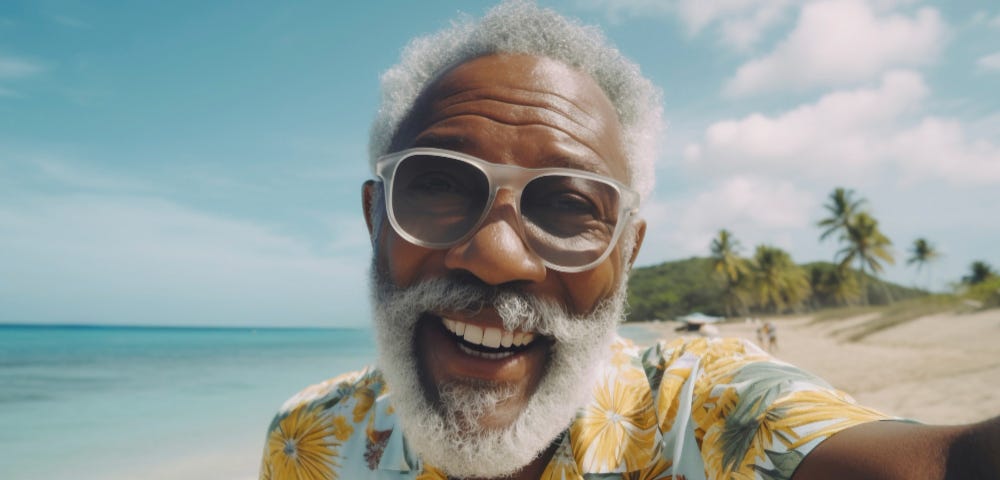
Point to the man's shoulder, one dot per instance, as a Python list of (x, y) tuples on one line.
[(360, 388), (688, 349)]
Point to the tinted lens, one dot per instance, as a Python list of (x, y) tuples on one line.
[(438, 199), (569, 221)]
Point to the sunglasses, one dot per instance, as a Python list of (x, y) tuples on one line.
[(439, 198)]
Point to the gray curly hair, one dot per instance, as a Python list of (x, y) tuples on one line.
[(522, 27)]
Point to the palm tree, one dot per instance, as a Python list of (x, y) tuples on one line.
[(733, 269), (834, 286), (842, 208), (922, 253), (778, 283), (980, 272), (866, 246)]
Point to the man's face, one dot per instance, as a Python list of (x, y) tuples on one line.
[(517, 110)]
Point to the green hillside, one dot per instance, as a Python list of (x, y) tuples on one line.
[(676, 288)]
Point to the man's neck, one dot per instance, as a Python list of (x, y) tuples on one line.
[(531, 471)]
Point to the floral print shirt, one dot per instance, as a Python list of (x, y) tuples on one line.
[(704, 408)]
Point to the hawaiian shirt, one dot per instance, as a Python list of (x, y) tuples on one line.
[(693, 408)]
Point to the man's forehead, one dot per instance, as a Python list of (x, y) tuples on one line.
[(465, 143), (561, 108)]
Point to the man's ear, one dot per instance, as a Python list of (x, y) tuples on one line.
[(640, 234), (368, 192)]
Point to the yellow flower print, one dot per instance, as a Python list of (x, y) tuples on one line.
[(364, 397), (265, 468), (656, 471), (319, 390), (341, 429), (667, 400), (623, 351), (709, 411), (618, 427), (431, 473), (800, 409), (563, 465), (300, 447)]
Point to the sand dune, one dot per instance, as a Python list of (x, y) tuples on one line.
[(942, 368)]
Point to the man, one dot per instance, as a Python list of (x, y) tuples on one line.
[(511, 155)]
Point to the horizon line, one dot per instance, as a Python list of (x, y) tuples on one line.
[(98, 326)]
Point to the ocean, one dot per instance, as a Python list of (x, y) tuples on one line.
[(155, 403), (124, 403)]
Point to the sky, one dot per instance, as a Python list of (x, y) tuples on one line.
[(200, 163)]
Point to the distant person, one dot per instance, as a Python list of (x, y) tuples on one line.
[(509, 158), (771, 332), (761, 336)]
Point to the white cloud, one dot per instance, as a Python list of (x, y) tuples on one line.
[(127, 259), (84, 245), (756, 208), (937, 149), (834, 136), (13, 67), (990, 62), (698, 14), (837, 42), (744, 31), (741, 23), (615, 10), (856, 137)]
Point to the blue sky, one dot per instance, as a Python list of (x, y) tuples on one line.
[(200, 163)]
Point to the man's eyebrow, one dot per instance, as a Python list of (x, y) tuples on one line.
[(447, 142), (583, 163), (461, 142)]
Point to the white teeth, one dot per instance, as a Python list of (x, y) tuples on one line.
[(488, 336), (473, 334), (491, 337)]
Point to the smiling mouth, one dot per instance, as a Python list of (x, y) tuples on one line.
[(487, 342)]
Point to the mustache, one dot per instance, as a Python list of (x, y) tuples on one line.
[(455, 291), (466, 293)]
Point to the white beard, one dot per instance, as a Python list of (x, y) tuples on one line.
[(446, 434)]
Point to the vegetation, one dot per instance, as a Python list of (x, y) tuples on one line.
[(842, 208), (778, 284), (770, 282), (733, 270), (980, 272), (922, 253), (832, 285), (982, 284), (680, 287), (673, 289)]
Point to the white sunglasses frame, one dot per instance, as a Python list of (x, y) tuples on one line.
[(513, 178)]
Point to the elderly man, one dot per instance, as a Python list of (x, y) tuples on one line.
[(511, 155)]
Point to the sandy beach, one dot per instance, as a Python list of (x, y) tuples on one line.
[(941, 368)]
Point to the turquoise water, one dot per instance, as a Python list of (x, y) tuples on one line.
[(109, 402), (115, 403)]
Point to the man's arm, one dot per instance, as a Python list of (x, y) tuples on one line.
[(898, 450)]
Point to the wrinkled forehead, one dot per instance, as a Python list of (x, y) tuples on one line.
[(538, 108)]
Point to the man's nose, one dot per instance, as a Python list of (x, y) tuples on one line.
[(496, 253)]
